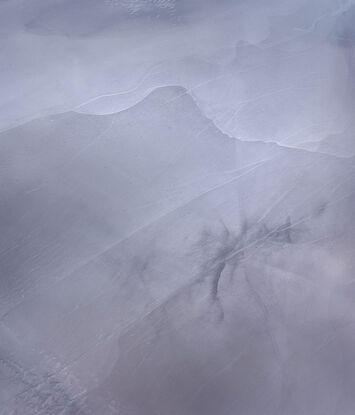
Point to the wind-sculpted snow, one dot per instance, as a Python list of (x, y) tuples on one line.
[(275, 71), (177, 191)]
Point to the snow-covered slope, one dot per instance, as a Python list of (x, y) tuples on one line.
[(151, 264), (276, 71)]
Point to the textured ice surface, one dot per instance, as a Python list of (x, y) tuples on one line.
[(177, 207)]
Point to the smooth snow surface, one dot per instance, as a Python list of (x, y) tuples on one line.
[(177, 207)]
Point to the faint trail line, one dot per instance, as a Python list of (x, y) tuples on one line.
[(122, 92), (116, 243), (220, 372)]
